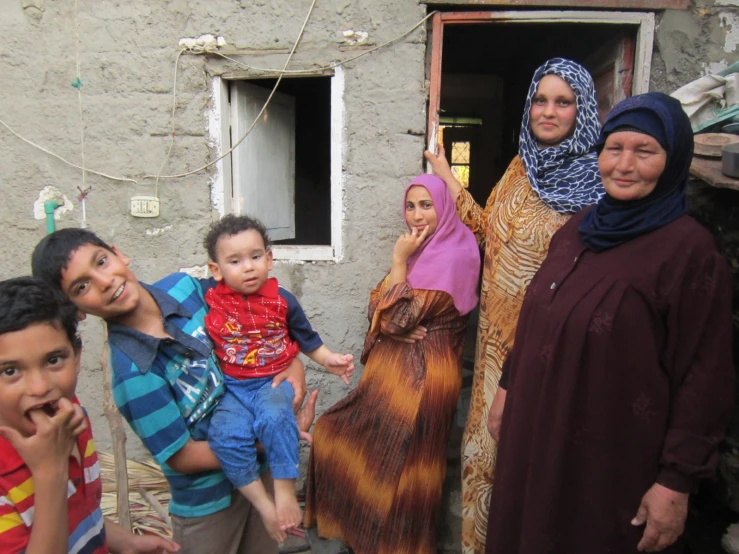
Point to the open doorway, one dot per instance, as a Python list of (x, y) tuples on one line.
[(481, 65), (485, 73)]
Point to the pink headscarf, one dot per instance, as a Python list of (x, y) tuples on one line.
[(448, 260)]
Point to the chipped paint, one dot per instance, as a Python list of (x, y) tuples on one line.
[(715, 67), (51, 193), (731, 22), (196, 271), (355, 37), (215, 130), (156, 231)]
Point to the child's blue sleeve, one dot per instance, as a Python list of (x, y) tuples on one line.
[(147, 403), (207, 284), (298, 325)]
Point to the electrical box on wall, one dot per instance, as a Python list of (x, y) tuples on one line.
[(144, 206)]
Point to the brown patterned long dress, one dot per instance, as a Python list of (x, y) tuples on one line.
[(514, 228), (379, 456)]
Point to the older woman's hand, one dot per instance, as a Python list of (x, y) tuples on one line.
[(495, 417), (664, 511)]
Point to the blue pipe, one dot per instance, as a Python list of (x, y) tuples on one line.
[(49, 207)]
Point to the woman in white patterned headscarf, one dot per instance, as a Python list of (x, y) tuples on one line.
[(554, 176)]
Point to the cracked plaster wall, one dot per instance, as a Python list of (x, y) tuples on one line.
[(689, 43), (127, 51)]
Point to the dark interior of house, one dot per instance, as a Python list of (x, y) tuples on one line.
[(312, 157), (486, 72)]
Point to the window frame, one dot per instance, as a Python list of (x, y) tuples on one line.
[(222, 185)]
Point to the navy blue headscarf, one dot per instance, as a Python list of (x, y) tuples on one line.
[(565, 176), (613, 222)]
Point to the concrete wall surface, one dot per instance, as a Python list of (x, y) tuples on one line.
[(689, 43), (124, 54)]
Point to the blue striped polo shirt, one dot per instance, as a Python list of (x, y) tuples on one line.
[(167, 389)]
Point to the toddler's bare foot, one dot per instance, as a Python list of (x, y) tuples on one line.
[(261, 501), (271, 523), (289, 514)]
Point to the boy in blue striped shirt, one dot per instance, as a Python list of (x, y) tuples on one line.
[(166, 382)]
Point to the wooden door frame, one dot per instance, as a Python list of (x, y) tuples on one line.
[(596, 4), (642, 59)]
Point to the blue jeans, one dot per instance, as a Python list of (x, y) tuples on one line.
[(252, 410)]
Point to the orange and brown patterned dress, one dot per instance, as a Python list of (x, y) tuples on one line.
[(379, 456), (514, 228)]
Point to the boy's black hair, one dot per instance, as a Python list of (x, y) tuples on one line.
[(233, 225), (52, 254), (25, 301)]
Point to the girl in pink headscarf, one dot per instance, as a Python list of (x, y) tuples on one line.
[(379, 456)]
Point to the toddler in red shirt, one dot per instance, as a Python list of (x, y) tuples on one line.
[(257, 328)]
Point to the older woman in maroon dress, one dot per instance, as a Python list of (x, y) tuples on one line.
[(620, 382)]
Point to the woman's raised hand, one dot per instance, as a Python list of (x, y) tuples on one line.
[(441, 168), (407, 244), (438, 161)]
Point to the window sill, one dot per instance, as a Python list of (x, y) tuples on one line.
[(303, 253)]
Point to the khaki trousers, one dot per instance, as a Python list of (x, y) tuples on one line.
[(236, 530)]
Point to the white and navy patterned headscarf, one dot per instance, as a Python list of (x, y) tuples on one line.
[(566, 176)]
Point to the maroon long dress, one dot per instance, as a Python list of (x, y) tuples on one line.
[(620, 377)]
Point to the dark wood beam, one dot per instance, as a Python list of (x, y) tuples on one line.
[(648, 5)]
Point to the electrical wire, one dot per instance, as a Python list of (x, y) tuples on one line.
[(78, 86), (279, 72), (174, 107), (322, 69), (259, 115), (71, 164)]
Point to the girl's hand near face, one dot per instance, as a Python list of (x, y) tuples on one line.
[(407, 245)]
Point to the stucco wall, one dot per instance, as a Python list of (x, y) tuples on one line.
[(126, 55), (689, 43)]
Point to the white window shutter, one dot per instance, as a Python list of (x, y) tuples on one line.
[(264, 164)]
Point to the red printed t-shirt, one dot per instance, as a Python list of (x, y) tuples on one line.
[(257, 335), (84, 491)]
